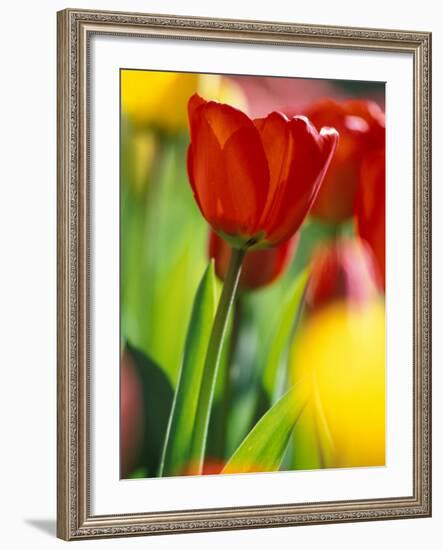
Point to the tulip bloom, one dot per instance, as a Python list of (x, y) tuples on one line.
[(255, 180), (370, 205), (260, 267), (361, 125), (341, 270), (210, 467)]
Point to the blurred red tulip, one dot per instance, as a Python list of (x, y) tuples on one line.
[(211, 467), (255, 180), (341, 270), (260, 267), (370, 205), (268, 93), (361, 125), (131, 415)]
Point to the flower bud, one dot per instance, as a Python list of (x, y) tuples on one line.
[(341, 270), (370, 204), (260, 267), (361, 125)]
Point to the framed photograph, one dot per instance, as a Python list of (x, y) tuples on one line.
[(244, 294)]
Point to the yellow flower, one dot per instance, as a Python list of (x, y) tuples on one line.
[(159, 99), (223, 89), (338, 362)]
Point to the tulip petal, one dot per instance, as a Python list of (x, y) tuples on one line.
[(205, 168), (369, 111), (260, 267), (225, 120), (220, 251), (195, 107), (361, 125), (190, 168), (243, 195), (370, 205), (194, 103), (227, 166), (254, 181), (312, 153), (277, 142)]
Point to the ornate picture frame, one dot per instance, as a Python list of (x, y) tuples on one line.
[(74, 517)]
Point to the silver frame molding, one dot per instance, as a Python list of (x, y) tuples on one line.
[(74, 519)]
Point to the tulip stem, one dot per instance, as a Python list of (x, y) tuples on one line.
[(212, 360), (226, 392)]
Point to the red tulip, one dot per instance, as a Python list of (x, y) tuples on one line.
[(131, 415), (211, 466), (255, 180), (341, 270), (260, 267), (361, 125), (370, 203)]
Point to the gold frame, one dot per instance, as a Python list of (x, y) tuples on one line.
[(74, 520)]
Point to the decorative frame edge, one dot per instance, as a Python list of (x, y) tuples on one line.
[(73, 520)]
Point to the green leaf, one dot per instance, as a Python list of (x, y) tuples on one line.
[(311, 440), (282, 334), (246, 410), (161, 266), (182, 418), (171, 311), (221, 406), (157, 402), (306, 449), (212, 359), (140, 473), (264, 447)]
